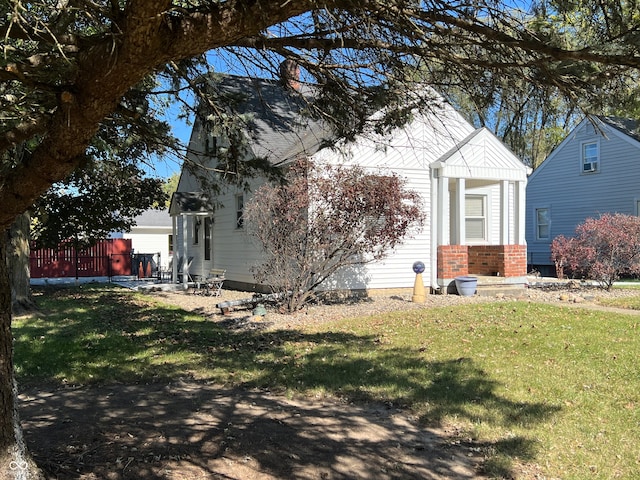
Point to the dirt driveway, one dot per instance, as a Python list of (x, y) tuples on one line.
[(188, 430)]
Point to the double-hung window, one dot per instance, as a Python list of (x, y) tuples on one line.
[(196, 230), (207, 238), (475, 218), (543, 224), (239, 211), (590, 157)]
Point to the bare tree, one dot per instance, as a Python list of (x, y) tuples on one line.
[(325, 218)]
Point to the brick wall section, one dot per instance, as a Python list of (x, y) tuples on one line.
[(506, 260), (515, 260), (453, 261), (486, 259), (459, 260)]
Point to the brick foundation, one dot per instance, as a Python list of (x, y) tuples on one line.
[(504, 260), (453, 261)]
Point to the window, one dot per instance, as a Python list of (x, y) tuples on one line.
[(475, 218), (170, 244), (239, 211), (207, 238), (196, 230), (543, 223), (211, 145), (590, 156)]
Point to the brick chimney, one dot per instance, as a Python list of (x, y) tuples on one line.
[(290, 74)]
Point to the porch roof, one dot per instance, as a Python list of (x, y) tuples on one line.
[(189, 202), (481, 156)]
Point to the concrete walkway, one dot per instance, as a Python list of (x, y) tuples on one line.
[(131, 282)]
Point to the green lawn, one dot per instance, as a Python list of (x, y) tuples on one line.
[(632, 303), (531, 383)]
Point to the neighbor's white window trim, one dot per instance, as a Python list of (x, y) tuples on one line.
[(592, 160)]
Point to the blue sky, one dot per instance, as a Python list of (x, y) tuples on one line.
[(166, 166)]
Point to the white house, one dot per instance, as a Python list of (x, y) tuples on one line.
[(593, 171), (472, 185), (153, 235)]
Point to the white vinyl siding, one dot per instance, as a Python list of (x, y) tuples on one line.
[(395, 271), (233, 249)]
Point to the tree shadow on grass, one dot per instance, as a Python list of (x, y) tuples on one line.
[(105, 336), (195, 430)]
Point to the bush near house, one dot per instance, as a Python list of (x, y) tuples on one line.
[(325, 218), (603, 249)]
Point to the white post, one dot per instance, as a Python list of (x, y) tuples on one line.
[(504, 212), (460, 215), (435, 219), (174, 263), (185, 259), (520, 213), (443, 208)]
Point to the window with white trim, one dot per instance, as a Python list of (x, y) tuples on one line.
[(207, 238), (239, 211), (196, 230), (543, 224), (475, 222), (590, 157)]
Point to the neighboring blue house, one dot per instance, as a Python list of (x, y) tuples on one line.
[(595, 170)]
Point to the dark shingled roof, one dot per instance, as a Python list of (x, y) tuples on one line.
[(153, 218), (190, 202), (276, 128), (628, 126)]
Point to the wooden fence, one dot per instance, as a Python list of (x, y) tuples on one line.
[(105, 259)]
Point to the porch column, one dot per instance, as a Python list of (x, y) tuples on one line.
[(504, 212), (433, 226), (185, 263), (443, 208), (460, 214), (174, 261), (520, 213)]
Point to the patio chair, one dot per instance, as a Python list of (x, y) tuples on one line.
[(213, 283)]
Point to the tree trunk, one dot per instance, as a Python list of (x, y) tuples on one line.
[(15, 461), (18, 264)]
